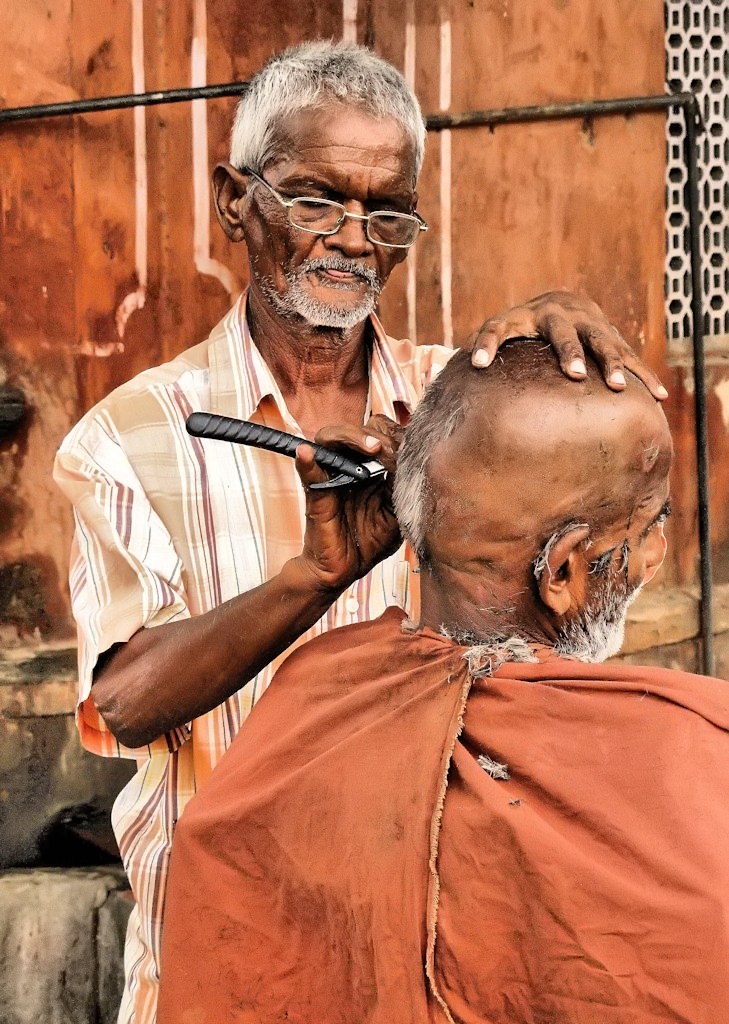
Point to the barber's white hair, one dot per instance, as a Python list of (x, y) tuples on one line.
[(310, 75)]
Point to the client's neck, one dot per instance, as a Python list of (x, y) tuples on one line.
[(474, 611)]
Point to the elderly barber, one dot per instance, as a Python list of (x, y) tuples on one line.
[(212, 544)]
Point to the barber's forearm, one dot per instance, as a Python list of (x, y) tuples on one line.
[(167, 676)]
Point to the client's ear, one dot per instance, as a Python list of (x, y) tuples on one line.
[(563, 580)]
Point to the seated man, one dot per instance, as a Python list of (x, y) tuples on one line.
[(469, 819)]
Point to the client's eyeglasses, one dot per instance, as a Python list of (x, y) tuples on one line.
[(324, 217)]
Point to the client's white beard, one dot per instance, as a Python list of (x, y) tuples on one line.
[(599, 631), (298, 301)]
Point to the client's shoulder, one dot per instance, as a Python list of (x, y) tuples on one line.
[(702, 695), (384, 631), (372, 649), (384, 654)]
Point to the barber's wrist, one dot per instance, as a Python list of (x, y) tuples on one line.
[(300, 578)]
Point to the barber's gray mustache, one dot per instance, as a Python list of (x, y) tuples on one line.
[(341, 263)]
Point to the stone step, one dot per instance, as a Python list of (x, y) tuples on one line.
[(61, 945)]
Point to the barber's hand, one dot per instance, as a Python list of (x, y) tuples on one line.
[(349, 530), (568, 323)]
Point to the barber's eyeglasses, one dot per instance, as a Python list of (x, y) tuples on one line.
[(324, 217)]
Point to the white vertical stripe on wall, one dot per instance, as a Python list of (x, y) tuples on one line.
[(446, 266), (349, 21), (204, 263), (135, 300), (412, 260)]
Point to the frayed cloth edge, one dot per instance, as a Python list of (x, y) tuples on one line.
[(435, 829)]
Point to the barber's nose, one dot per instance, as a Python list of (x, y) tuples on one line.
[(351, 238)]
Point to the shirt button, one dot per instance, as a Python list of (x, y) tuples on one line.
[(352, 605)]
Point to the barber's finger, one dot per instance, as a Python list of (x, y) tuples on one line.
[(391, 434), (310, 472), (644, 373), (614, 356), (379, 438), (384, 425), (486, 342), (563, 338), (367, 440), (607, 349)]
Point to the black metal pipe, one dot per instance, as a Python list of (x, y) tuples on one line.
[(557, 111), (436, 122), (706, 609), (522, 115), (134, 99)]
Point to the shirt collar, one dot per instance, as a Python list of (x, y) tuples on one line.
[(391, 393), (240, 378)]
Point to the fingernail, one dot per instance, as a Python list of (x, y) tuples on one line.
[(481, 358), (578, 366), (661, 391), (371, 442), (617, 377)]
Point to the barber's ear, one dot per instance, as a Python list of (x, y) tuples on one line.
[(229, 199), (563, 581)]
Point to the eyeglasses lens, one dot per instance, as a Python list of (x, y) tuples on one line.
[(391, 229), (310, 213), (387, 229)]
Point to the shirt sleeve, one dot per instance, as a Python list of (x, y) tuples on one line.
[(125, 574)]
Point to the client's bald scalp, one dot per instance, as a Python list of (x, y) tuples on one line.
[(555, 441), (550, 450)]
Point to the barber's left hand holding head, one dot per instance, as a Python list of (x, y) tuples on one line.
[(568, 323), (349, 530)]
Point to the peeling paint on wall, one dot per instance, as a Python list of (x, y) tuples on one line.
[(349, 21), (204, 262), (446, 242), (136, 299)]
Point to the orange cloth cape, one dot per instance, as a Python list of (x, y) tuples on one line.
[(355, 859)]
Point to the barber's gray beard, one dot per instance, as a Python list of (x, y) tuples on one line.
[(299, 302), (598, 632)]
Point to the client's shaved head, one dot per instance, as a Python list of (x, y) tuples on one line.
[(528, 496)]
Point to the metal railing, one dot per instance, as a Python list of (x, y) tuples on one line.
[(587, 110)]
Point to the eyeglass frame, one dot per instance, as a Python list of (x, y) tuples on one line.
[(288, 203)]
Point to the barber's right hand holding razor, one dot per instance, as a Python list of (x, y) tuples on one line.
[(349, 530)]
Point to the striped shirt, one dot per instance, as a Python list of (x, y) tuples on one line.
[(169, 526)]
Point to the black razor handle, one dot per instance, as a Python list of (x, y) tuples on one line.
[(224, 428)]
